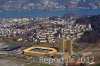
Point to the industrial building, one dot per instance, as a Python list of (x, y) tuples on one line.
[(10, 48), (65, 45)]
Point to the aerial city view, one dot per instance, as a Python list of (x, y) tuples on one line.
[(49, 32)]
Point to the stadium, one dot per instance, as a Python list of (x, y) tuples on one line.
[(39, 51)]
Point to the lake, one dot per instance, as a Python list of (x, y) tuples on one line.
[(48, 13)]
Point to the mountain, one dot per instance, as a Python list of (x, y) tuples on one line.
[(11, 5)]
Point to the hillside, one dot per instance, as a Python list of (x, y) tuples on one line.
[(94, 35)]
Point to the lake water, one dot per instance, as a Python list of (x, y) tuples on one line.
[(48, 13)]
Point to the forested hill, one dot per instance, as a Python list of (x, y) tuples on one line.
[(94, 35)]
